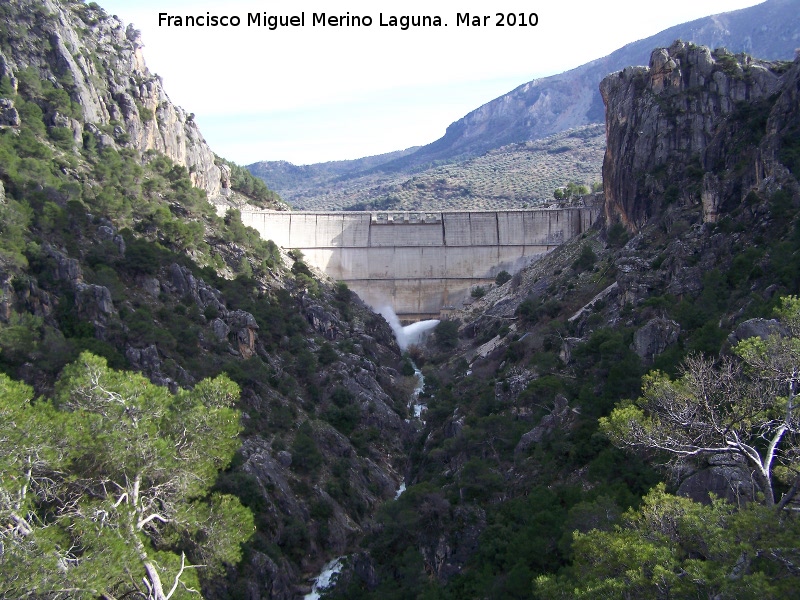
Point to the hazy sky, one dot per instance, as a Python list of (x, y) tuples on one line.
[(311, 94)]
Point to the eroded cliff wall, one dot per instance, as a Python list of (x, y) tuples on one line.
[(691, 112), (99, 63)]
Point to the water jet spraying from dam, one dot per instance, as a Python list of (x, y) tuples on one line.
[(406, 335)]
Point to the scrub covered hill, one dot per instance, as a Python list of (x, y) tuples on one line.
[(551, 464)]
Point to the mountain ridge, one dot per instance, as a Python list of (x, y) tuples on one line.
[(770, 30), (550, 105)]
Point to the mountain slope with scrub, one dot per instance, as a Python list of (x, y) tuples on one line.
[(133, 313), (553, 465)]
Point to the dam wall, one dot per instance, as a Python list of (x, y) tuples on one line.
[(420, 262)]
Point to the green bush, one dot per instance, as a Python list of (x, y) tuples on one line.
[(617, 235), (478, 291), (446, 334), (586, 259), (306, 457), (502, 277)]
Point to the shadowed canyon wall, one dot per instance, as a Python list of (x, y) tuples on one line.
[(420, 263)]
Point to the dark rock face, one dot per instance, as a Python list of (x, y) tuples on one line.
[(274, 580), (561, 417), (726, 476), (654, 337), (445, 556), (674, 118)]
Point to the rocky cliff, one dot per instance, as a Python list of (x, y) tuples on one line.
[(674, 127), (99, 63)]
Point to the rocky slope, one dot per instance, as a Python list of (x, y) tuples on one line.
[(108, 243), (512, 461), (99, 62)]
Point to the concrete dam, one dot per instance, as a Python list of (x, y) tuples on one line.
[(420, 263)]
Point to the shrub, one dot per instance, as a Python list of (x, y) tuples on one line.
[(502, 277), (617, 235), (586, 259), (446, 334), (306, 457)]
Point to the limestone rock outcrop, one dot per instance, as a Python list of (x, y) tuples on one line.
[(654, 337), (9, 117), (762, 328), (99, 62), (681, 118)]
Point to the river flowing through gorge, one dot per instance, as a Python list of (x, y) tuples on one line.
[(406, 336)]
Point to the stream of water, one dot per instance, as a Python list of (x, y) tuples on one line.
[(405, 336), (415, 405), (324, 580)]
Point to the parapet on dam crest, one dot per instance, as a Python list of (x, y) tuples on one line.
[(421, 263)]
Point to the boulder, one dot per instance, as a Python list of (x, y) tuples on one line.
[(761, 328), (654, 337), (9, 117), (93, 301), (152, 286), (725, 476), (220, 329)]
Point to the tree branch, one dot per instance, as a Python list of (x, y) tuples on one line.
[(152, 517)]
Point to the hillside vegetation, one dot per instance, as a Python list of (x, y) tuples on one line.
[(516, 176)]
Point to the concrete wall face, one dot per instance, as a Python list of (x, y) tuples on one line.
[(420, 262)]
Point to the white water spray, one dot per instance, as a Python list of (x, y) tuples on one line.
[(410, 334), (324, 580), (406, 336)]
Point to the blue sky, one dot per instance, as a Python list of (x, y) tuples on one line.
[(312, 94)]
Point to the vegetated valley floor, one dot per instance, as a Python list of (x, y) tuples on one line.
[(515, 176)]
